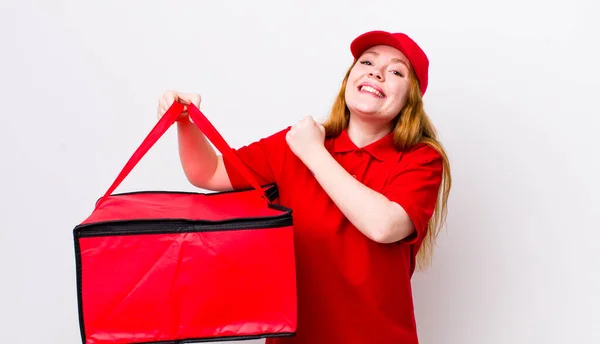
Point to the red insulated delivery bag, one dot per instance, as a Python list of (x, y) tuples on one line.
[(183, 267)]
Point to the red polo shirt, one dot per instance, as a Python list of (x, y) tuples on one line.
[(350, 288)]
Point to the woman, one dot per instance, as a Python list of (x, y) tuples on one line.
[(368, 191)]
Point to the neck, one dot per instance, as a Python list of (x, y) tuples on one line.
[(364, 133)]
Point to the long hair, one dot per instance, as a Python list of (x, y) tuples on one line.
[(412, 126)]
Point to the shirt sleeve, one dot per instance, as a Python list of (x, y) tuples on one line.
[(264, 159), (414, 185)]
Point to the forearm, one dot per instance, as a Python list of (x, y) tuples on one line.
[(370, 212), (198, 158)]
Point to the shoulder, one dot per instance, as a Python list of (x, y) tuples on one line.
[(421, 153), (278, 136), (275, 140), (419, 167), (422, 158)]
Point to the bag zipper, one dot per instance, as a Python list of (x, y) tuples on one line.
[(137, 227)]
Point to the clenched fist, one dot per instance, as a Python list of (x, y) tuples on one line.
[(167, 99), (306, 138)]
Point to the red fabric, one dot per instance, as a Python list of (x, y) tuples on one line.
[(186, 206), (167, 266), (183, 283), (350, 289)]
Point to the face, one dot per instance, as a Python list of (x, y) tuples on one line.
[(378, 83)]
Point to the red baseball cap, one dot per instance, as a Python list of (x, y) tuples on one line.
[(415, 55)]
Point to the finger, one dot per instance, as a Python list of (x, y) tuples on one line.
[(172, 96), (161, 112), (168, 100), (162, 108), (189, 98), (182, 99)]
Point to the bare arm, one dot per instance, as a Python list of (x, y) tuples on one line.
[(202, 166)]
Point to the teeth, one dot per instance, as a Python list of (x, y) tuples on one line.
[(372, 90)]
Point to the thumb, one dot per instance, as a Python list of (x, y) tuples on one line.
[(183, 98)]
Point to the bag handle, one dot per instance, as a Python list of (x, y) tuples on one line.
[(222, 146), (205, 126)]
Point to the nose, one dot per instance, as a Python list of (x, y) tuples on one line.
[(376, 74)]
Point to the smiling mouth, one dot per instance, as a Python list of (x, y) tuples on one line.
[(369, 89)]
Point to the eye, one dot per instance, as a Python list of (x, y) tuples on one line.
[(398, 73), (366, 62)]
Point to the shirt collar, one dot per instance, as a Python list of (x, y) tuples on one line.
[(380, 149)]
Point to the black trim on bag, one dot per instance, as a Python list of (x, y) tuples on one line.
[(223, 339), (280, 207), (79, 288), (166, 226)]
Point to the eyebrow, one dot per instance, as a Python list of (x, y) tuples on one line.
[(396, 60)]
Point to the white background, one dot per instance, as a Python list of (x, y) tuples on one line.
[(513, 93)]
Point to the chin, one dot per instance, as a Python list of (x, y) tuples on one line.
[(364, 110)]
